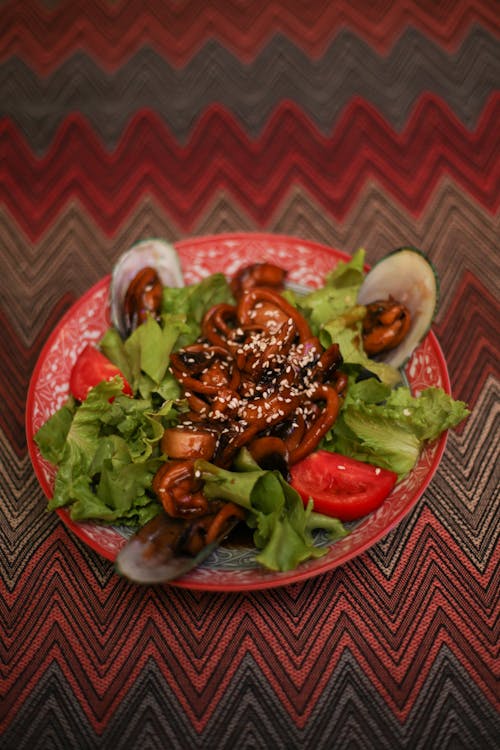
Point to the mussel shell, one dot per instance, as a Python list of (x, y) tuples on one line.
[(406, 275), (153, 252)]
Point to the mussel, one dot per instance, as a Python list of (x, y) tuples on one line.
[(403, 288), (167, 548), (152, 263)]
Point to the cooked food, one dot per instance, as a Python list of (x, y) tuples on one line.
[(214, 398)]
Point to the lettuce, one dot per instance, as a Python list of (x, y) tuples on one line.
[(338, 294), (144, 356), (107, 454), (282, 526), (192, 302), (107, 448), (387, 427)]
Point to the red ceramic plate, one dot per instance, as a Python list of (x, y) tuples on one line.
[(231, 568)]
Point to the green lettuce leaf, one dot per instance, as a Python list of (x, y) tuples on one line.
[(338, 294), (52, 436), (107, 453), (430, 413), (389, 428), (282, 526), (144, 356), (191, 303)]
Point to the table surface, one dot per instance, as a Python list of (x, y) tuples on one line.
[(348, 123)]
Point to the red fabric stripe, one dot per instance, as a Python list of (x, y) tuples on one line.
[(111, 32), (220, 157)]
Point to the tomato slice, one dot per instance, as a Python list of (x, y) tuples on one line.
[(90, 369), (341, 487)]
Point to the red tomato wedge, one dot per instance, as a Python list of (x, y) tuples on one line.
[(90, 369), (341, 487)]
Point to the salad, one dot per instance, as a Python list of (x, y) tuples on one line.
[(125, 424)]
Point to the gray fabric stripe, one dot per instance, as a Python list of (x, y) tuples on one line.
[(282, 72)]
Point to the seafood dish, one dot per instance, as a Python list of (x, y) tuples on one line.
[(245, 401)]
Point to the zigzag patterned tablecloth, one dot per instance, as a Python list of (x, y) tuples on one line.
[(348, 123)]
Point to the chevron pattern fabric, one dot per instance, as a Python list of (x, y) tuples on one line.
[(357, 123)]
